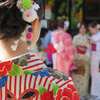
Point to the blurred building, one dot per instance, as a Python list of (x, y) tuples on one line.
[(76, 11)]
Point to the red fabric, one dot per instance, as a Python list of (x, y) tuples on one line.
[(47, 95), (81, 49), (68, 93), (50, 48), (5, 67)]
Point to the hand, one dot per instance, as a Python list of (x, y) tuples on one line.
[(99, 70), (92, 41)]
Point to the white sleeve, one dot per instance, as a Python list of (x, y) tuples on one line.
[(88, 51), (98, 46)]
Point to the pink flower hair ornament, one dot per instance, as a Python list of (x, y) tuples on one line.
[(29, 9)]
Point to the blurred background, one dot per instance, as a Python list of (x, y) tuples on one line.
[(72, 51), (76, 11)]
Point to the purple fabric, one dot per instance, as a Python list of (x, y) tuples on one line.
[(93, 47), (49, 55)]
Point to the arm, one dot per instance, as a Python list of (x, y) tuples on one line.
[(98, 45)]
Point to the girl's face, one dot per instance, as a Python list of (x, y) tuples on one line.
[(82, 29), (92, 30)]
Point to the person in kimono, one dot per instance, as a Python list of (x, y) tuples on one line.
[(95, 59), (62, 42), (48, 44), (23, 76), (82, 61)]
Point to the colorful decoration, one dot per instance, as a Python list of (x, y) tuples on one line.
[(3, 79), (42, 73), (28, 94), (47, 95), (16, 71), (28, 8), (5, 67), (57, 74), (28, 42), (55, 88), (23, 61), (34, 82), (68, 93), (25, 36), (30, 29), (41, 89), (24, 4), (14, 47)]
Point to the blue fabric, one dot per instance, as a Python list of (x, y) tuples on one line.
[(47, 39), (3, 79), (42, 73)]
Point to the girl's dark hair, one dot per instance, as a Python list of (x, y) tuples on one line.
[(11, 21), (83, 24), (61, 23), (53, 25), (93, 24)]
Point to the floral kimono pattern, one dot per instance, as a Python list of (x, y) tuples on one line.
[(95, 66), (65, 53), (82, 53), (27, 78)]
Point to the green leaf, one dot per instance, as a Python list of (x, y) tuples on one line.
[(26, 4), (26, 72), (41, 90), (55, 88), (16, 71)]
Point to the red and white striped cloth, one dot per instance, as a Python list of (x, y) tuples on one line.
[(17, 86)]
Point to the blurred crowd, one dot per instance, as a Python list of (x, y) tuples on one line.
[(78, 57)]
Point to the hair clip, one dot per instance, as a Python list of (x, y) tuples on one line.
[(10, 5), (28, 9), (26, 36)]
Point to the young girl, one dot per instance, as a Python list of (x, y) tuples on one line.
[(82, 55), (62, 42), (95, 58), (23, 76)]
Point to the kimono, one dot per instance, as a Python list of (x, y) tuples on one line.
[(27, 78), (82, 53), (65, 53), (95, 65)]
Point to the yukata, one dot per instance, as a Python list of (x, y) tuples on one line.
[(95, 65), (82, 53), (27, 78), (65, 52)]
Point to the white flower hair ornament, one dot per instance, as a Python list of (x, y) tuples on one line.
[(98, 26), (78, 25), (29, 9), (66, 24)]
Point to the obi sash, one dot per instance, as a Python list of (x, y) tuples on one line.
[(81, 49), (93, 47)]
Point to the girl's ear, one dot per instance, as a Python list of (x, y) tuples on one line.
[(36, 25)]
